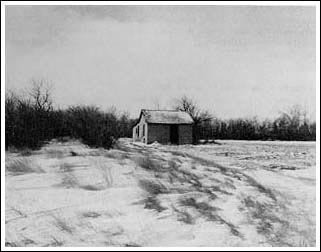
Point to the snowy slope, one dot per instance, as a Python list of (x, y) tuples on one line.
[(237, 193)]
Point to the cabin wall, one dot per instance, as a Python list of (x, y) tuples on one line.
[(185, 134), (161, 133), (139, 134)]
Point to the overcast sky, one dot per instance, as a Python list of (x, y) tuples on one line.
[(234, 61)]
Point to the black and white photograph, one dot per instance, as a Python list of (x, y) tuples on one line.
[(160, 126)]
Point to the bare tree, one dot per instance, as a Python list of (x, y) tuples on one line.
[(198, 115), (190, 106), (294, 116), (292, 122), (41, 95)]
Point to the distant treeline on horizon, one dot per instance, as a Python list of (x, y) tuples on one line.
[(285, 127), (31, 120)]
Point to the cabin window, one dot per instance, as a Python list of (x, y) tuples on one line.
[(143, 129)]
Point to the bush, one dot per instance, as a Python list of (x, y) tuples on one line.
[(32, 120), (25, 126), (95, 128)]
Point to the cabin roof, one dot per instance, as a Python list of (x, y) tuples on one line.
[(166, 116)]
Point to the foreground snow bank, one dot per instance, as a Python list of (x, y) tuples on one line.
[(234, 194)]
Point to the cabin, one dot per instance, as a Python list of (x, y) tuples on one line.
[(163, 126)]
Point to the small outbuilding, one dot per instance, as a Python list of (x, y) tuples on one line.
[(163, 126)]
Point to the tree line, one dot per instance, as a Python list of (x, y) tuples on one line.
[(292, 125), (31, 120), (251, 129)]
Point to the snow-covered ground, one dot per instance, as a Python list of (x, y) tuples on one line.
[(235, 193)]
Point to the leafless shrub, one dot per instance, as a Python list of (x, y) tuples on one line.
[(177, 153), (26, 152), (91, 214), (21, 166), (91, 187), (260, 187), (262, 212), (54, 243), (173, 165), (27, 241), (69, 180), (94, 153), (150, 164), (235, 174), (153, 203), (192, 180), (209, 212), (229, 184), (114, 231), (74, 154), (110, 155), (218, 189), (304, 243), (19, 212), (121, 147), (201, 206), (65, 167), (153, 187), (55, 153), (282, 167), (116, 155), (63, 225), (184, 216), (269, 222), (11, 244), (132, 244), (22, 243), (207, 162), (105, 170)]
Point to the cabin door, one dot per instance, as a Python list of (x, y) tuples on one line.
[(174, 134)]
